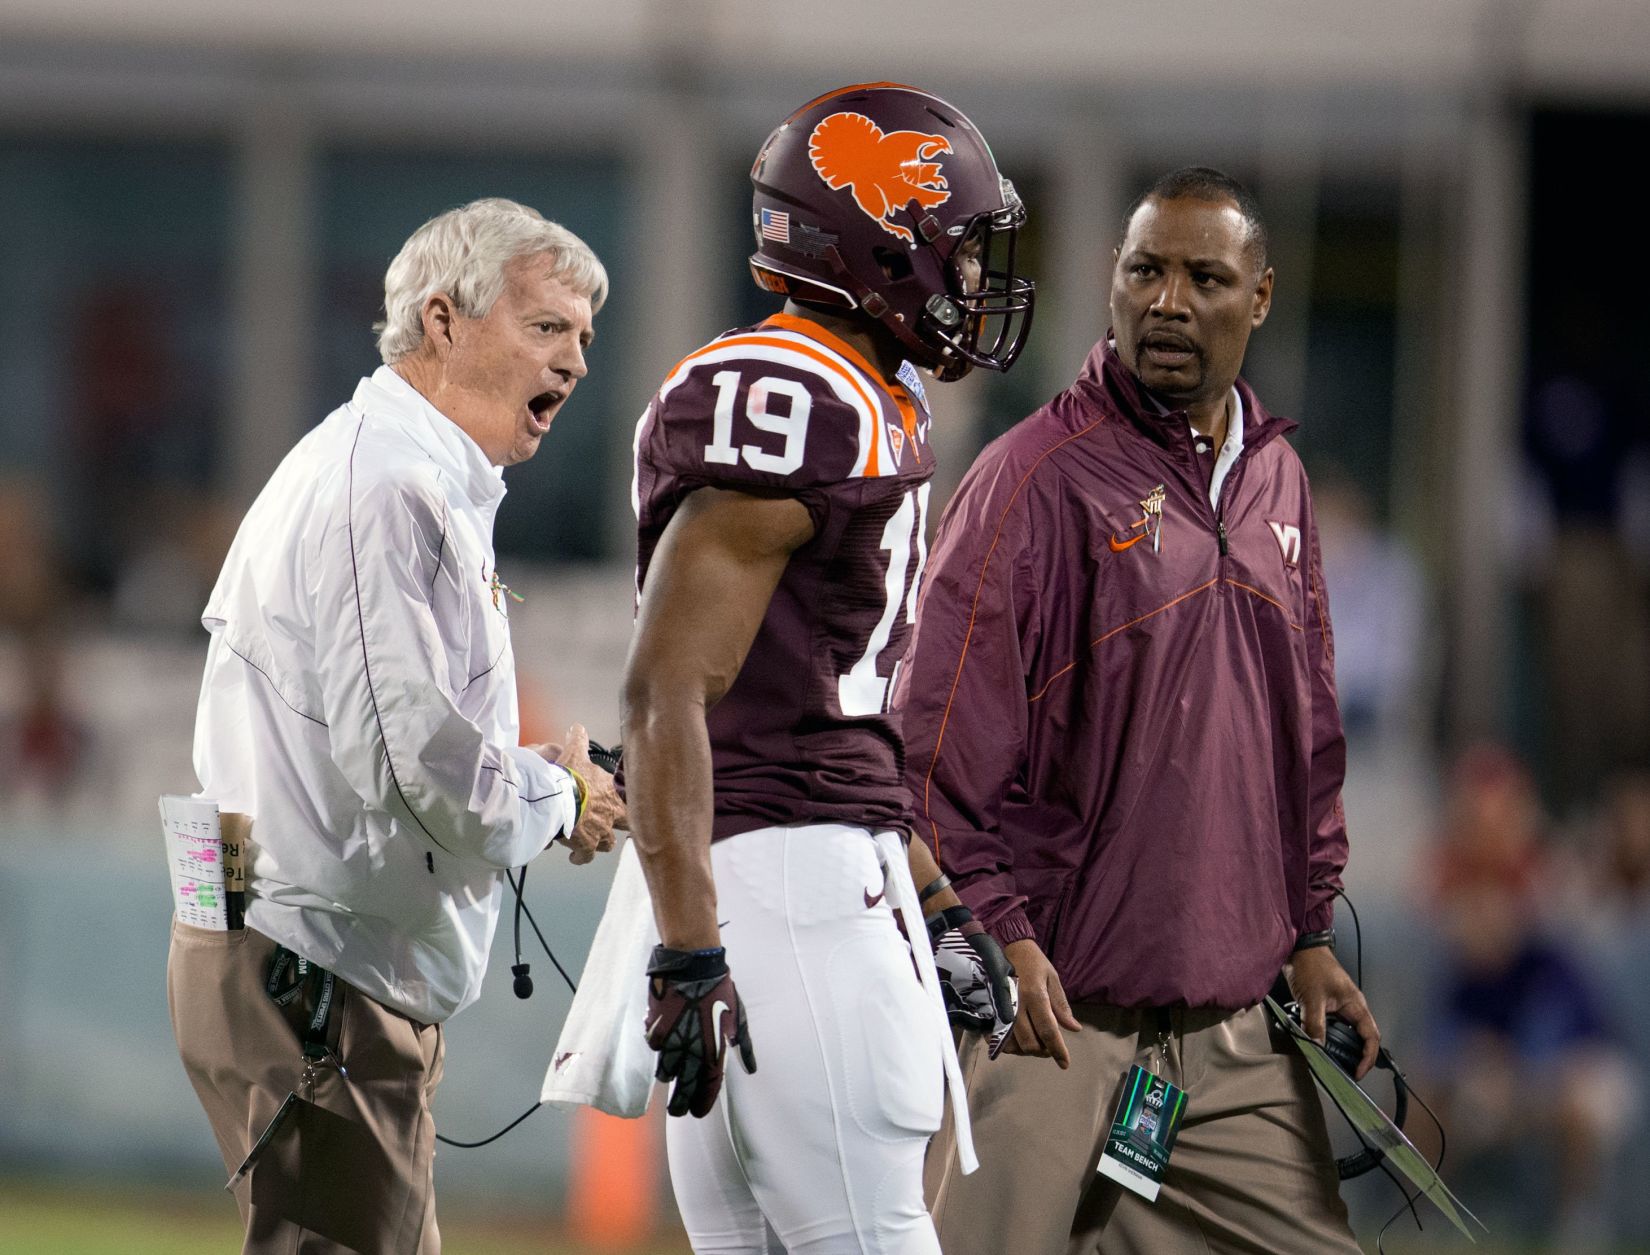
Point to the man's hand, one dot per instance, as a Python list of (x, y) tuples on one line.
[(1321, 985), (603, 809), (693, 1016), (1044, 1010), (976, 978)]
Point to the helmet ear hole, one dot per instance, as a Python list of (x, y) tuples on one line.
[(895, 264)]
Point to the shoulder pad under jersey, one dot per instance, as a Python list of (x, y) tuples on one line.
[(766, 408)]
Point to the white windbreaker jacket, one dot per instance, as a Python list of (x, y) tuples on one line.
[(360, 704)]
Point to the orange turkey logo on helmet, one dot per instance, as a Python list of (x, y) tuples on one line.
[(886, 170)]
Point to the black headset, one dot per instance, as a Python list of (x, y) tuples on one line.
[(522, 984), (1345, 1047), (608, 761)]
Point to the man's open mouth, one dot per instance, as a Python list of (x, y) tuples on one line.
[(543, 409)]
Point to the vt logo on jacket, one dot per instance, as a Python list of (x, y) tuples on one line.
[(1289, 540)]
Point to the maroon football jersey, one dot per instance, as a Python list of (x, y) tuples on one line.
[(788, 409)]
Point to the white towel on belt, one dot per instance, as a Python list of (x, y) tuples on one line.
[(602, 1059), (902, 896)]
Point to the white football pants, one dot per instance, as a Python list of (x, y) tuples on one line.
[(825, 1141)]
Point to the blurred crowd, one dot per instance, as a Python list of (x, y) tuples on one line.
[(1537, 1038), (55, 749), (1524, 908), (124, 534)]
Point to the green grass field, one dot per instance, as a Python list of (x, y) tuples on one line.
[(61, 1219), (40, 1219)]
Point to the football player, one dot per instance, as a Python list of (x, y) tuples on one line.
[(782, 492)]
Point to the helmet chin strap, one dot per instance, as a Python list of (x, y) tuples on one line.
[(922, 353)]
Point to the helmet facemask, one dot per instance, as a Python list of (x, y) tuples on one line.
[(943, 325), (988, 325)]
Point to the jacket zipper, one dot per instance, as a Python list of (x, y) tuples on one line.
[(1217, 508), (1226, 487)]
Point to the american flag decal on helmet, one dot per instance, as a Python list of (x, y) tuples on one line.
[(776, 226)]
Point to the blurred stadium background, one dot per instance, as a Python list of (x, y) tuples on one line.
[(199, 199)]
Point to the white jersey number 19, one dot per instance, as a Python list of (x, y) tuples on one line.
[(792, 424)]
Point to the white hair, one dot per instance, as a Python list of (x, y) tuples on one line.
[(463, 253)]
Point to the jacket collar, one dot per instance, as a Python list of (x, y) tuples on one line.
[(1105, 373), (388, 396)]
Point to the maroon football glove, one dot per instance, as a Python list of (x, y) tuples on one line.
[(693, 1016)]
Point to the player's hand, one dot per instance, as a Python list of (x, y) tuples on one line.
[(1044, 1010), (976, 978), (1321, 985), (603, 808), (693, 1016)]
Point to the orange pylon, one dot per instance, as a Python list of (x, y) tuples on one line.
[(613, 1186)]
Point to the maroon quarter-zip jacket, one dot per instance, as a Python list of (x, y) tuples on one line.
[(1119, 710)]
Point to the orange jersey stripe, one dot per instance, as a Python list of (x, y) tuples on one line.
[(832, 341), (769, 342), (908, 418), (896, 391)]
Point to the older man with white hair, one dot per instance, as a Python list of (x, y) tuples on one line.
[(358, 717)]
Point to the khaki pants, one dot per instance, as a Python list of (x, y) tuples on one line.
[(243, 1057), (1252, 1169)]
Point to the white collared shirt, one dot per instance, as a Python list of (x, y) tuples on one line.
[(360, 703), (1229, 450)]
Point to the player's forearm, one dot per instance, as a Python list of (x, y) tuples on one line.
[(669, 795)]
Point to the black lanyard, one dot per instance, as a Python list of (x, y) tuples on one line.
[(289, 975)]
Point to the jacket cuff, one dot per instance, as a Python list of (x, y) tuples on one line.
[(549, 800), (1012, 926), (1319, 918)]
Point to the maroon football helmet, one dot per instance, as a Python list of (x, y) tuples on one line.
[(865, 198)]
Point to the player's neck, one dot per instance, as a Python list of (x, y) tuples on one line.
[(873, 344)]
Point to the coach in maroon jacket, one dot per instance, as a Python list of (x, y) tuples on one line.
[(1125, 750)]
